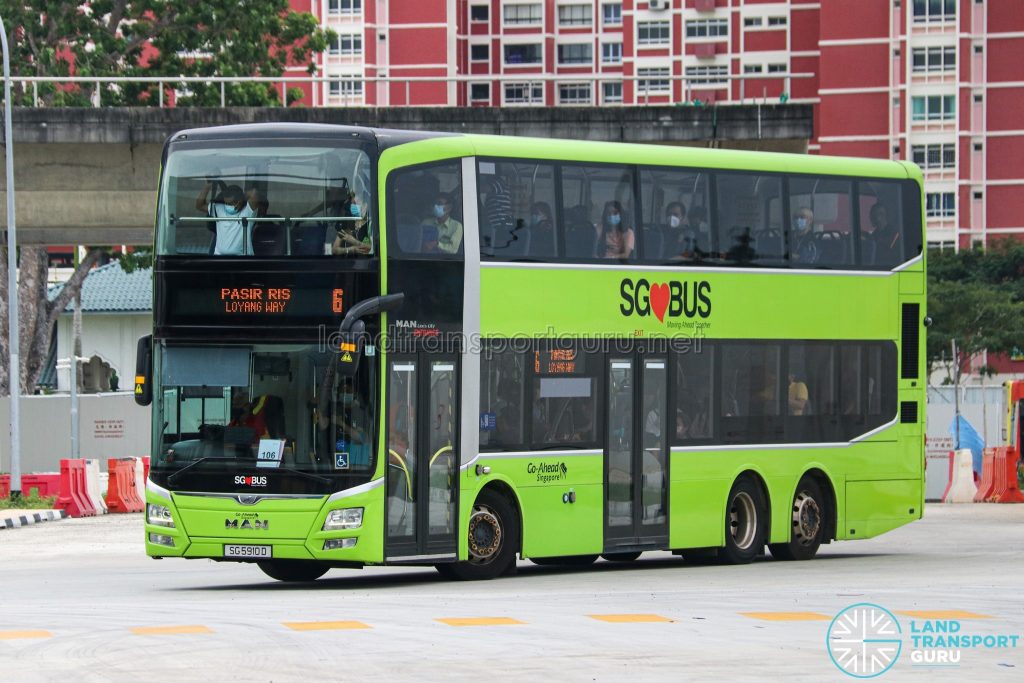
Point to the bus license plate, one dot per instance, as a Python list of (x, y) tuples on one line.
[(248, 551)]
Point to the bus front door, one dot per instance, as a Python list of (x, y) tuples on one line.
[(422, 428), (636, 457)]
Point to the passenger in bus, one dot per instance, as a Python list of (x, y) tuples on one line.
[(232, 239), (449, 230), (251, 414), (496, 207), (616, 238), (675, 231), (803, 248), (884, 236), (742, 249), (797, 395), (352, 238)]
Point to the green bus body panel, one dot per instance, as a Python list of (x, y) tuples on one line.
[(874, 507)]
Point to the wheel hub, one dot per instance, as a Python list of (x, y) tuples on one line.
[(485, 535), (806, 518), (742, 520)]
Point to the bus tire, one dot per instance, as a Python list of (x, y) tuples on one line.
[(493, 540), (745, 522), (294, 570), (565, 561), (620, 557), (809, 521)]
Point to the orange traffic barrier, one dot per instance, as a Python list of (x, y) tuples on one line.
[(988, 480), (121, 489), (74, 495), (1007, 489)]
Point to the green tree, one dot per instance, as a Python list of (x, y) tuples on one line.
[(975, 298), (160, 38)]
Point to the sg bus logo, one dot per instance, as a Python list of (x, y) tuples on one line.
[(673, 298)]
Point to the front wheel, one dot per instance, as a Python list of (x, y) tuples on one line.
[(493, 541), (809, 512), (294, 570), (745, 523)]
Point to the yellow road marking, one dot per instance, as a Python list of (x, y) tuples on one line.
[(630, 618), (169, 630), (942, 614), (480, 621), (787, 616), (15, 635), (324, 625)]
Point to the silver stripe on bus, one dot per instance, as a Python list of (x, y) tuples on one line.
[(251, 498), (469, 439), (356, 490), (780, 446), (529, 265), (419, 558), (902, 266), (157, 490), (539, 454)]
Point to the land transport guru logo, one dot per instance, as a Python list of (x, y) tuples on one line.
[(866, 640), (672, 299)]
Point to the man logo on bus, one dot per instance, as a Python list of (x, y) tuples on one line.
[(674, 298)]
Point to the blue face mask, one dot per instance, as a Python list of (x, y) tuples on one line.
[(800, 223), (614, 219), (354, 210), (439, 210), (536, 218), (231, 209)]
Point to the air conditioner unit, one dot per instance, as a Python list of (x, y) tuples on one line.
[(659, 4)]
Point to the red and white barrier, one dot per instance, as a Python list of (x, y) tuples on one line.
[(92, 472), (961, 487), (74, 493), (122, 491)]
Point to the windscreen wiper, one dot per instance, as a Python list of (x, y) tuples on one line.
[(192, 464)]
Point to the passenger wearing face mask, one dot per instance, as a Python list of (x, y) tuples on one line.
[(802, 247), (353, 237), (449, 230), (233, 234), (679, 238), (617, 238)]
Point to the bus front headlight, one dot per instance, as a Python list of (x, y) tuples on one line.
[(159, 515), (346, 518)]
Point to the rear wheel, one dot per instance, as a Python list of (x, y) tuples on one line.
[(745, 523), (493, 540), (294, 570), (809, 517)]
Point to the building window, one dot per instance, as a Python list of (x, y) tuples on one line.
[(576, 53), (652, 81), (611, 93), (574, 93), (611, 53), (524, 93), (752, 68), (940, 204), (934, 156), (479, 92), (653, 32), (776, 68), (934, 58), (344, 7), (707, 28), (347, 88), (575, 15), (612, 14), (933, 108), (347, 44), (479, 53), (517, 15), (777, 21), (707, 75), (479, 13), (524, 54), (934, 10), (752, 22)]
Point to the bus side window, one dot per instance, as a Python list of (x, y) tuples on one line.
[(694, 394), (501, 397), (750, 228), (881, 224), (821, 222), (517, 219), (425, 209)]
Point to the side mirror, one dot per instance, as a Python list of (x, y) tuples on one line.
[(144, 371), (353, 330)]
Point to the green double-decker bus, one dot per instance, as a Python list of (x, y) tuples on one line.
[(379, 347)]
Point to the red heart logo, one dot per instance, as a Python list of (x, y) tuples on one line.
[(659, 300)]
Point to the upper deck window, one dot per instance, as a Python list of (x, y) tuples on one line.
[(266, 201), (425, 209)]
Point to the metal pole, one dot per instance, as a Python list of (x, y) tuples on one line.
[(956, 394), (13, 330), (74, 403)]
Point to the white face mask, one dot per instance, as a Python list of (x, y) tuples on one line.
[(674, 221)]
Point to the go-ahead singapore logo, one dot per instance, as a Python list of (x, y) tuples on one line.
[(865, 640)]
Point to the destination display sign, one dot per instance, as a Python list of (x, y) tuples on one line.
[(558, 362)]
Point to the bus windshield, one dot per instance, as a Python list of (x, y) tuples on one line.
[(264, 408), (266, 201)]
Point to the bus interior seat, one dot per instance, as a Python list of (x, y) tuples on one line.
[(654, 243), (269, 239), (769, 243), (832, 247), (308, 239), (580, 242), (410, 234)]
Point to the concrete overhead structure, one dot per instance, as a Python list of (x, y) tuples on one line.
[(89, 176)]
